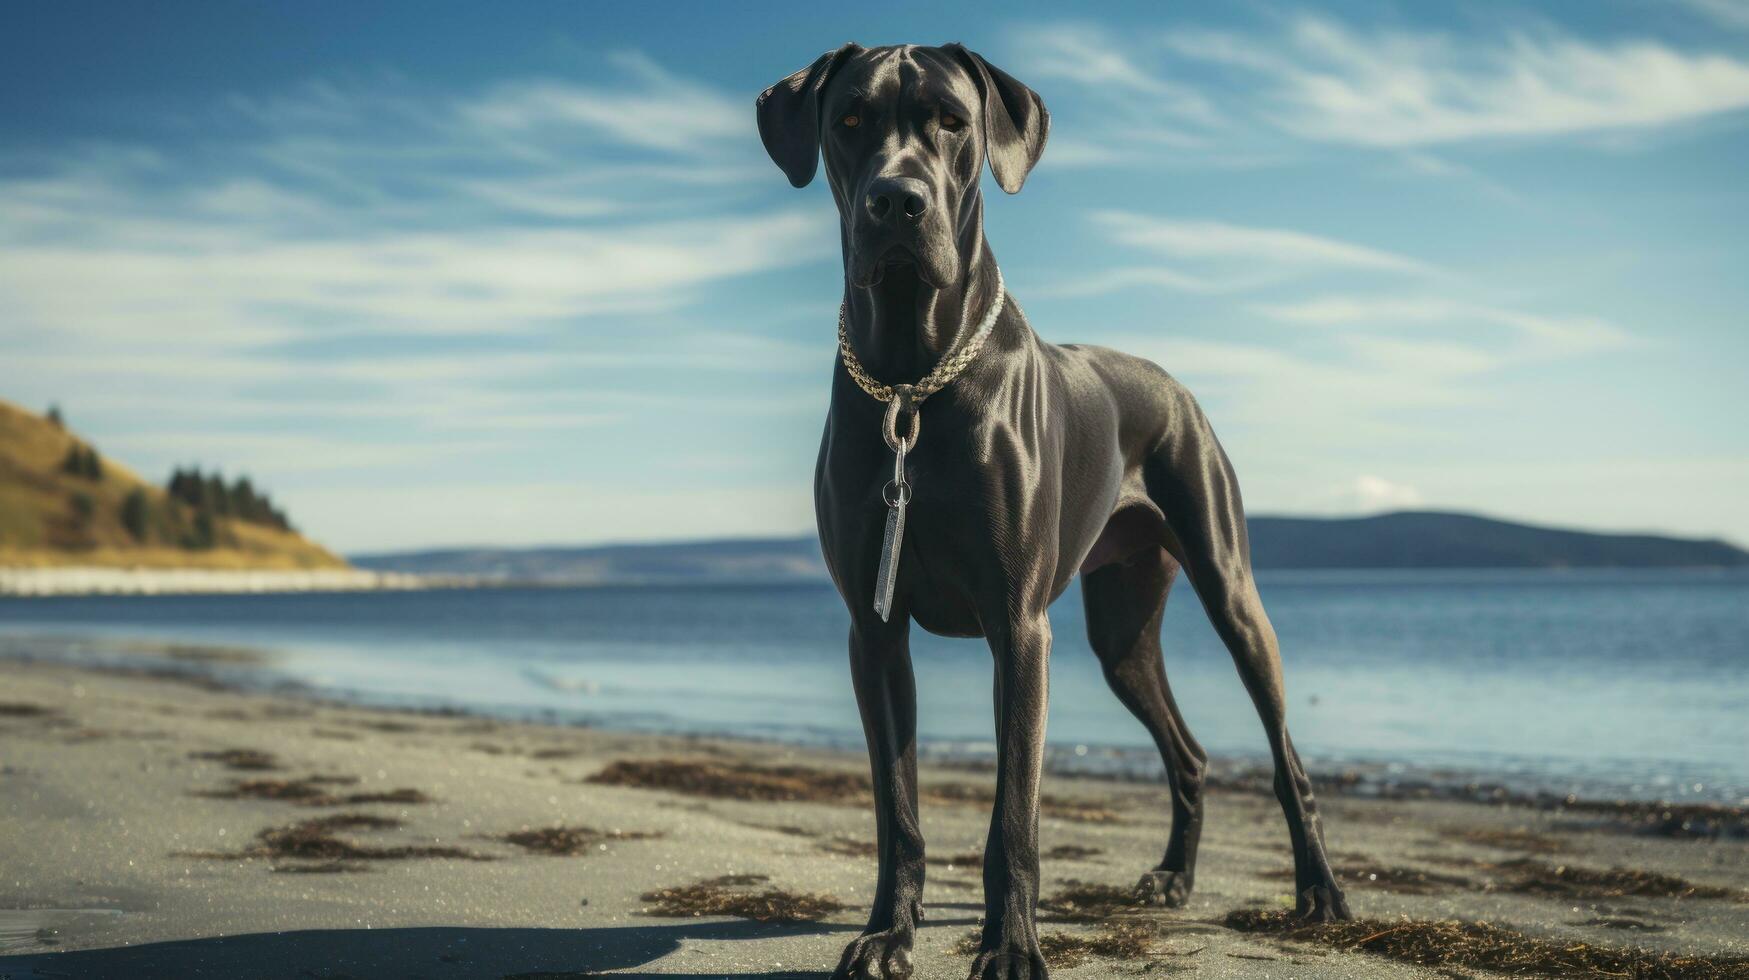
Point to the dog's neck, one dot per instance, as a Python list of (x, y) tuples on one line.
[(901, 327)]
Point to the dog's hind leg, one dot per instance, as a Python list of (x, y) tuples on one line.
[(1191, 481), (886, 694), (1124, 603)]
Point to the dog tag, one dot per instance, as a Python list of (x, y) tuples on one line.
[(897, 495)]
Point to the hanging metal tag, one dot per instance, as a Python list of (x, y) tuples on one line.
[(897, 492), (897, 495)]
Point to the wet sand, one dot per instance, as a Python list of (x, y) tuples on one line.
[(154, 827)]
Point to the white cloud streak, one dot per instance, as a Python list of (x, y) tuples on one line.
[(1539, 335), (1219, 240), (1324, 80)]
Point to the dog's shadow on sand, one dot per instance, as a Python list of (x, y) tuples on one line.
[(432, 953)]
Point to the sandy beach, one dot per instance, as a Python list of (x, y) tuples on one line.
[(156, 826)]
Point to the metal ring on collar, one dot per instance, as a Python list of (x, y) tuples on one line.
[(903, 399)]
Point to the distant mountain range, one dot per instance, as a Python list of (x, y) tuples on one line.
[(1409, 539)]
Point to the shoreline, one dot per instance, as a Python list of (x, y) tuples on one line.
[(150, 815), (250, 671), (76, 580), (26, 581)]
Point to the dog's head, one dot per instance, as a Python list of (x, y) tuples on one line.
[(905, 132)]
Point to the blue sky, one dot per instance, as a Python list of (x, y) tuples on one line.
[(444, 273)]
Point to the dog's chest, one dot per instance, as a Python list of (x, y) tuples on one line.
[(969, 504)]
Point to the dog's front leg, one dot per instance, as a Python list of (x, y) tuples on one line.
[(886, 694), (1009, 947)]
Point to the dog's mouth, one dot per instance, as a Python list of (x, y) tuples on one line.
[(895, 258), (899, 260), (896, 254)]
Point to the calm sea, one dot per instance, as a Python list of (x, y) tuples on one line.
[(1601, 683)]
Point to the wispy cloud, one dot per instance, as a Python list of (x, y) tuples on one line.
[(1226, 98), (1192, 239), (1140, 114), (1217, 257), (1085, 55), (1325, 80), (1537, 335), (653, 109), (1729, 13)]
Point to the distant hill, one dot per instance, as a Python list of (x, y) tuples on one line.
[(1433, 539), (63, 503), (1400, 540)]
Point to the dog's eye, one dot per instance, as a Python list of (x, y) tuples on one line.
[(851, 121), (949, 121)]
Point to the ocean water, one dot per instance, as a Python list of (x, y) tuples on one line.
[(1618, 683)]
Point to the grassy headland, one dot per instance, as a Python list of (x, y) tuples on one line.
[(62, 503)]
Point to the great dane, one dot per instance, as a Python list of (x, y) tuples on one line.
[(1036, 462)]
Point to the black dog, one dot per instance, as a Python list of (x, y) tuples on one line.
[(1036, 462)]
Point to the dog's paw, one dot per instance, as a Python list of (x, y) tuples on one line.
[(1168, 888), (1009, 964), (876, 956), (1322, 903)]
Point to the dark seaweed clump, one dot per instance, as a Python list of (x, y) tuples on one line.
[(1528, 877), (1124, 941), (1478, 945), (240, 759), (311, 791), (568, 841), (968, 859), (25, 709), (734, 895), (316, 841), (1088, 902), (737, 781)]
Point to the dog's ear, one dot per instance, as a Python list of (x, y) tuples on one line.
[(789, 116), (1016, 124)]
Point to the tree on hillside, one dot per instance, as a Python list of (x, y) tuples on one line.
[(210, 494), (136, 514), (82, 461), (55, 418), (205, 534)]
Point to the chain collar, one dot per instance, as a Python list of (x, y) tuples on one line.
[(947, 369)]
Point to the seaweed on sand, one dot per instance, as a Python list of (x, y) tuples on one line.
[(315, 790), (315, 840), (1481, 946), (1113, 941), (734, 895), (736, 780), (25, 709), (1528, 877), (568, 841), (1084, 901), (249, 760)]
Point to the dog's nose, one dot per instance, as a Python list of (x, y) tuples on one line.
[(893, 198)]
